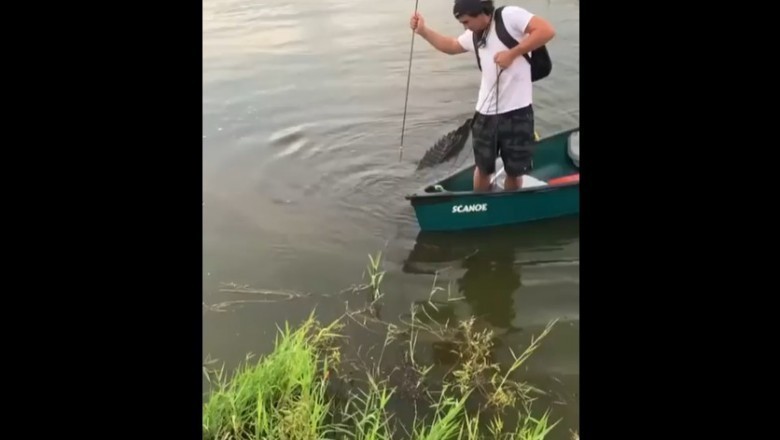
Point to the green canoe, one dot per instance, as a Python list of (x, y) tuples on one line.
[(550, 190)]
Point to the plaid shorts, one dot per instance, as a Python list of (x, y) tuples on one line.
[(509, 134)]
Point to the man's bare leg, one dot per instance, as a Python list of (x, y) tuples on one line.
[(512, 183), (481, 181)]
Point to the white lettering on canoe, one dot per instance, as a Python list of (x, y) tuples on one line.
[(476, 207)]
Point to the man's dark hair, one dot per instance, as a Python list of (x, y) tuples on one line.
[(472, 8)]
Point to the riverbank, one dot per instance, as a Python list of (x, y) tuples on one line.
[(315, 385)]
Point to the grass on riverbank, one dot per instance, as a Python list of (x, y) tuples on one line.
[(291, 394), (303, 389)]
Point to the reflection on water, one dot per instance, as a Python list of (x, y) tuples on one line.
[(497, 270), (512, 280), (489, 282)]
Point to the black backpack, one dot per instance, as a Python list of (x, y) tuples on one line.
[(540, 61)]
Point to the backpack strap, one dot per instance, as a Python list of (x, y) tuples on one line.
[(502, 34), (541, 65), (475, 39)]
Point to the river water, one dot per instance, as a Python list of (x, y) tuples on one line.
[(302, 113)]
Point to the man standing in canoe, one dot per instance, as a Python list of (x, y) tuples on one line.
[(503, 124)]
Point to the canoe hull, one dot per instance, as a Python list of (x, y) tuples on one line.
[(473, 210)]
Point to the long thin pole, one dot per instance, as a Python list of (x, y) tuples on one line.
[(408, 80)]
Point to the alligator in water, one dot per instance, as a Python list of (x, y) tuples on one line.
[(447, 147)]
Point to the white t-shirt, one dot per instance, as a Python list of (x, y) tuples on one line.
[(514, 85)]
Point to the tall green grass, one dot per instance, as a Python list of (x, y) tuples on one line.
[(299, 390), (285, 395), (282, 396)]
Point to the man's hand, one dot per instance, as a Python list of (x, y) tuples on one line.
[(504, 59), (417, 23)]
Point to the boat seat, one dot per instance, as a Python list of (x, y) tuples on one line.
[(574, 148)]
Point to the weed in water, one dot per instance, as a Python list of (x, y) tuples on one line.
[(375, 275)]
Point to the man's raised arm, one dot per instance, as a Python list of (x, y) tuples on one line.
[(443, 43)]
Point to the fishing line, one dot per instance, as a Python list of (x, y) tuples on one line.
[(495, 117), (408, 78), (493, 91)]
